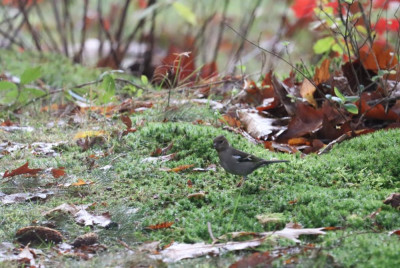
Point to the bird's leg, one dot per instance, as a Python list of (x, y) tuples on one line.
[(241, 182)]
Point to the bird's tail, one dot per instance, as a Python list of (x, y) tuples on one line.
[(267, 162)]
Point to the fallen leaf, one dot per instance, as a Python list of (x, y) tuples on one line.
[(189, 183), (22, 170), (393, 200), (81, 215), (298, 141), (322, 73), (271, 218), (58, 172), (89, 133), (307, 92), (196, 195), (178, 169), (26, 257), (177, 252), (162, 158), (85, 218), (395, 232), (158, 226), (127, 121), (257, 259), (162, 151), (211, 167), (258, 126), (81, 182), (306, 120), (24, 197), (38, 234), (231, 121)]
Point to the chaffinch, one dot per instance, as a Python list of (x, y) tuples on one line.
[(238, 162)]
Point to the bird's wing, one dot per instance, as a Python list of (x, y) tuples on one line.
[(244, 157)]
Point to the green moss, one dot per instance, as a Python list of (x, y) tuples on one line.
[(337, 189)]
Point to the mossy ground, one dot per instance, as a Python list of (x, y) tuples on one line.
[(338, 189)]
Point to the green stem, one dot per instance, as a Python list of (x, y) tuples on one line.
[(235, 208)]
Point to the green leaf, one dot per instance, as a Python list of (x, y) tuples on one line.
[(338, 100), (109, 89), (185, 12), (6, 85), (351, 108), (145, 80), (33, 92), (339, 94), (323, 45), (31, 74), (242, 68), (337, 48), (352, 98), (8, 97)]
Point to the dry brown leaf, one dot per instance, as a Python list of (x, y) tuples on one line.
[(24, 169), (58, 172), (162, 225), (322, 73), (393, 200), (231, 121), (81, 182), (179, 168), (255, 260), (307, 92), (38, 234)]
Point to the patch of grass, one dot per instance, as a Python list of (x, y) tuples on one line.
[(337, 189), (57, 71)]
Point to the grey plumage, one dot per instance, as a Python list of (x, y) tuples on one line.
[(238, 162)]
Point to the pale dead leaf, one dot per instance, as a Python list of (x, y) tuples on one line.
[(26, 257), (81, 215), (258, 126), (162, 158), (24, 197), (178, 251), (270, 218)]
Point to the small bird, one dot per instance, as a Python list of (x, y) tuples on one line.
[(238, 162)]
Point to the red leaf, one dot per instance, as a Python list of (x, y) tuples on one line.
[(58, 172), (385, 25), (209, 70), (306, 120), (22, 170), (126, 120), (304, 8), (176, 67)]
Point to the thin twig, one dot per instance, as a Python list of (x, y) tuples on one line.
[(84, 28), (60, 29), (220, 31), (29, 25), (46, 28), (121, 24), (214, 240)]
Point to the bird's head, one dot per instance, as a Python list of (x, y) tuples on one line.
[(220, 143)]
